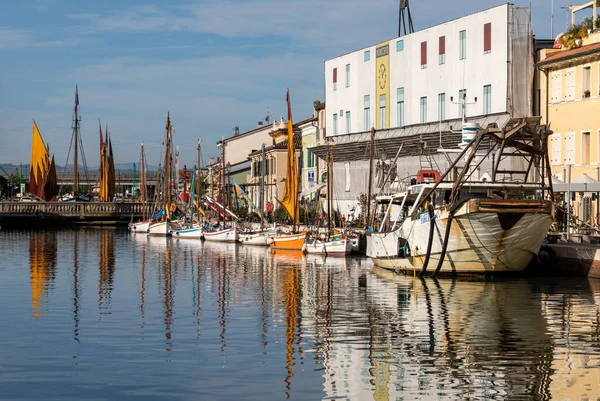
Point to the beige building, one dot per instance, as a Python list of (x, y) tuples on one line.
[(275, 162), (569, 93)]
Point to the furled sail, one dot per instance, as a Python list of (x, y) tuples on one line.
[(107, 168), (290, 197)]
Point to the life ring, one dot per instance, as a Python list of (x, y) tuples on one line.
[(546, 255), (173, 208)]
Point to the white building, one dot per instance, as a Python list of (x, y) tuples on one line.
[(410, 80), (408, 89)]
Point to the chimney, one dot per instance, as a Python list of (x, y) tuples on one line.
[(259, 124)]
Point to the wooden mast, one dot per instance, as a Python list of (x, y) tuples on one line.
[(143, 172), (75, 144), (167, 189), (329, 190)]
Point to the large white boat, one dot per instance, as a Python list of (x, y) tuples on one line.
[(472, 224)]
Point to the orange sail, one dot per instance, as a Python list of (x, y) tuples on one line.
[(107, 168), (290, 197), (42, 171)]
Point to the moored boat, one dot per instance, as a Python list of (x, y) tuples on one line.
[(288, 242), (224, 235), (472, 225), (188, 233), (333, 247), (139, 227)]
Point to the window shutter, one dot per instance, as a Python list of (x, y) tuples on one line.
[(334, 75), (487, 37), (423, 53), (442, 45)]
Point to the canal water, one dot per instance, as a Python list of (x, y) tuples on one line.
[(104, 315)]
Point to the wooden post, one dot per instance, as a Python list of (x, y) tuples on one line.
[(371, 152)]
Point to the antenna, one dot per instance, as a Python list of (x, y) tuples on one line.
[(404, 17)]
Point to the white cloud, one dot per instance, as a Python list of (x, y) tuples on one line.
[(14, 38)]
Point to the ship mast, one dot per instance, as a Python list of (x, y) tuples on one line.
[(75, 126)]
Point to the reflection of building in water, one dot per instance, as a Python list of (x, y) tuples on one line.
[(42, 267), (573, 315), (426, 338), (107, 270)]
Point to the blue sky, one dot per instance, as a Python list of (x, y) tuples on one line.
[(213, 64)]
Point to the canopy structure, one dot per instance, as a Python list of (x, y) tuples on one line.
[(585, 183)]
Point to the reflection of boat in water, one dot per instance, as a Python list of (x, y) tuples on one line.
[(442, 339), (42, 268), (324, 262)]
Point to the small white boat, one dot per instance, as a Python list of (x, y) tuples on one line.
[(226, 235), (188, 233), (139, 227), (331, 248), (159, 229), (261, 238)]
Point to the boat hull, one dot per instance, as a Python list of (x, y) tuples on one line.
[(188, 233), (160, 229), (139, 227), (229, 235), (259, 239), (289, 242), (480, 241), (331, 248)]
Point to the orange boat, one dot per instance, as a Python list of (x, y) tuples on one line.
[(289, 242)]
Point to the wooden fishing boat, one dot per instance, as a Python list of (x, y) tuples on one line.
[(195, 232), (333, 247), (288, 242), (225, 235), (484, 226)]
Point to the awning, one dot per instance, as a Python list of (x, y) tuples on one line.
[(309, 191), (577, 187)]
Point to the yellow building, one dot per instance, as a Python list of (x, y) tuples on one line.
[(569, 98)]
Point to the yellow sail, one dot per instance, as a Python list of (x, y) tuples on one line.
[(290, 197)]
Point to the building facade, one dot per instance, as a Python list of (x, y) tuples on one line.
[(570, 100), (413, 90), (417, 78)]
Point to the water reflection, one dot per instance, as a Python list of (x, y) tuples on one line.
[(241, 322), (106, 269), (42, 268)]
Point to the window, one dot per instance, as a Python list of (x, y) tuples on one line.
[(442, 50), (347, 122), (310, 159), (441, 106), (382, 111), (487, 99), (570, 84), (335, 128), (487, 38), (367, 112), (586, 84), (570, 148), (367, 55), (423, 54), (335, 79), (400, 106), (462, 97), (347, 75), (400, 45), (310, 176), (556, 144), (556, 86), (423, 105), (585, 147), (462, 40)]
